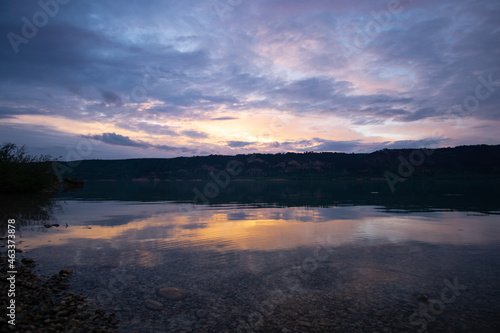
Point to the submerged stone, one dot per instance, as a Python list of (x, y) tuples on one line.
[(172, 293), (153, 305)]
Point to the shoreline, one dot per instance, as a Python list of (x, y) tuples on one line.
[(43, 303)]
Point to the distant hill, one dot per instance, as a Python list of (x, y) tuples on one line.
[(393, 165)]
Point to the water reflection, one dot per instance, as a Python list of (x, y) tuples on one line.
[(173, 225), (465, 195), (27, 209)]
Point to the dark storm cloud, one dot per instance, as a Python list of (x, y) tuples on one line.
[(419, 114), (388, 112), (57, 52), (120, 140), (339, 146), (117, 139), (8, 112), (110, 97), (239, 144)]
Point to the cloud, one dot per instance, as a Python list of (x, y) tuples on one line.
[(358, 146), (423, 143), (338, 146), (120, 140), (195, 134), (313, 89), (110, 97), (418, 115), (117, 139), (239, 144), (224, 118), (148, 128), (265, 58), (10, 112)]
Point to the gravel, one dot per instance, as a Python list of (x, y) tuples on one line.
[(43, 303)]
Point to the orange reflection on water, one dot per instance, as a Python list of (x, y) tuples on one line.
[(229, 228), (256, 229)]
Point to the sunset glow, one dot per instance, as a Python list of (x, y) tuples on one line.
[(170, 78)]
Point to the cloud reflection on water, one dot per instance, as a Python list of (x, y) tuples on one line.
[(149, 228)]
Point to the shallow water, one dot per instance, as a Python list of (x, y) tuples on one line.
[(264, 265)]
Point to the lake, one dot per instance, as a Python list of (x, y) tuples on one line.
[(279, 256)]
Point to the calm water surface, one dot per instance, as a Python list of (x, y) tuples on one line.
[(358, 265)]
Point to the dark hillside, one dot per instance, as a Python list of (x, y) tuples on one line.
[(460, 162)]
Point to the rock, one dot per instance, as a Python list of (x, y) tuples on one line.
[(187, 326), (62, 313), (27, 261), (75, 323), (201, 314), (172, 293), (153, 305), (65, 271), (36, 307)]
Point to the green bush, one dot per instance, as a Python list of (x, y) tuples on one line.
[(20, 172)]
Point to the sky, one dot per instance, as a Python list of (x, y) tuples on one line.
[(159, 78)]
